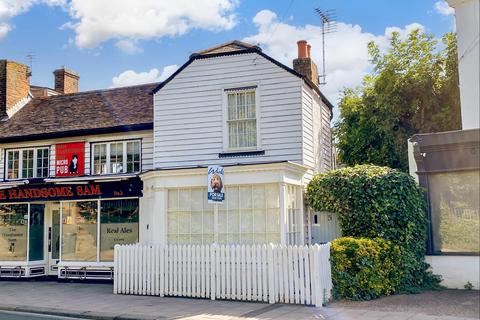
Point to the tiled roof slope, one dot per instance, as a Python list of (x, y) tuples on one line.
[(120, 108)]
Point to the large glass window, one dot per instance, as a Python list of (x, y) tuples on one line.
[(250, 214), (454, 201), (118, 225), (190, 216), (13, 232), (116, 157), (27, 163), (79, 231), (294, 214), (242, 119)]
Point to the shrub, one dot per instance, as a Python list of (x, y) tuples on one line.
[(379, 202), (364, 269)]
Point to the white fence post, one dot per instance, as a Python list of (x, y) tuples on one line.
[(271, 272)]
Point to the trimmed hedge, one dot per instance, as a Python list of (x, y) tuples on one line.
[(364, 269), (379, 202)]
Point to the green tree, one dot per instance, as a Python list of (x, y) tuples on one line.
[(413, 89)]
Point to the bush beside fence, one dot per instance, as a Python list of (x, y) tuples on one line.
[(268, 273)]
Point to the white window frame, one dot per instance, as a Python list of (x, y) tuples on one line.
[(226, 134), (20, 162), (108, 144)]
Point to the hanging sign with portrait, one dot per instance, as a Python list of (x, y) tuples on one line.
[(216, 188)]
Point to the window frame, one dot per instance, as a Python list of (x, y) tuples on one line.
[(108, 163), (258, 109), (20, 162)]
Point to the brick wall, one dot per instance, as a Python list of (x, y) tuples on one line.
[(66, 81), (14, 84), (306, 67)]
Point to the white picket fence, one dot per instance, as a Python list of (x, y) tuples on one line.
[(269, 273)]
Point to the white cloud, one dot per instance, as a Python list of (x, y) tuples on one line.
[(443, 8), (347, 59), (128, 46), (126, 21), (97, 21), (4, 29), (130, 77), (12, 8)]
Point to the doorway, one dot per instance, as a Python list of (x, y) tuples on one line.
[(52, 220)]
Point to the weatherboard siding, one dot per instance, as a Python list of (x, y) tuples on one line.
[(316, 133), (189, 117), (145, 136)]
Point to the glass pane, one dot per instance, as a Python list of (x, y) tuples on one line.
[(245, 198), (232, 106), (259, 221), (27, 164), (116, 157), (118, 225), (246, 224), (455, 211), (133, 156), (13, 164), (13, 232), (56, 231), (79, 231), (36, 233), (172, 199)]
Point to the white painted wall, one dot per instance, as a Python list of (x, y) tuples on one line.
[(145, 136), (468, 26), (189, 121), (456, 271)]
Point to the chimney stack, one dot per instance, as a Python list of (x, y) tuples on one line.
[(304, 63), (66, 81), (14, 87)]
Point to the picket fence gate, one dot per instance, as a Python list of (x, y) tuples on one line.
[(269, 273)]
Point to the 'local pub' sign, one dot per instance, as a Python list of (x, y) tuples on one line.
[(57, 192)]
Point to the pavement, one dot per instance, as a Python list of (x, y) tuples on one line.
[(80, 300)]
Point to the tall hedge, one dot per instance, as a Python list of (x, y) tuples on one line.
[(379, 202)]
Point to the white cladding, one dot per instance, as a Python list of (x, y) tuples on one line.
[(146, 138), (189, 129)]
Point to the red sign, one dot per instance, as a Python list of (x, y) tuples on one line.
[(70, 159)]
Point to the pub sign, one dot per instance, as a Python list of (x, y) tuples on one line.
[(70, 159)]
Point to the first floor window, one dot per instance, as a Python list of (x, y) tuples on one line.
[(27, 163), (241, 119), (13, 232), (454, 205), (116, 157)]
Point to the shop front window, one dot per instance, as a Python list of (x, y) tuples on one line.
[(455, 216), (118, 225), (250, 214), (13, 232), (79, 231)]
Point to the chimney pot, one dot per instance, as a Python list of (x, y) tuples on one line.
[(309, 47), (302, 49)]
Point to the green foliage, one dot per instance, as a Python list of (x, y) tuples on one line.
[(379, 202), (413, 89), (364, 269)]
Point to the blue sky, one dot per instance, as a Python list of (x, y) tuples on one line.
[(122, 42)]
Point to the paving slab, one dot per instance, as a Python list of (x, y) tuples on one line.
[(96, 301)]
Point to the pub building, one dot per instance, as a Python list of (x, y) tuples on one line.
[(69, 185), (83, 171)]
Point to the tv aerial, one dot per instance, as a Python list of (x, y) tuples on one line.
[(329, 25)]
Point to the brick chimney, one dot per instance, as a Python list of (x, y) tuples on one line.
[(66, 81), (304, 64), (14, 87)]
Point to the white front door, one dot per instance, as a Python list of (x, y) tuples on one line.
[(52, 211)]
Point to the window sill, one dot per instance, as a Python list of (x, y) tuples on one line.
[(241, 154)]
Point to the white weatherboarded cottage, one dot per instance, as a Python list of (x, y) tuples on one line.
[(267, 124)]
